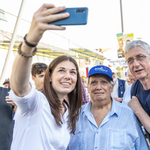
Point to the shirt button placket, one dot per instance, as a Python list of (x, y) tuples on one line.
[(96, 138)]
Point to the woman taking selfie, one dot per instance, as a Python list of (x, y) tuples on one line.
[(44, 121)]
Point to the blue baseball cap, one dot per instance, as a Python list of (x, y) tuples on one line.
[(100, 69)]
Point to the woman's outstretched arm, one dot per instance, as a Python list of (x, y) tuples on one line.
[(22, 65)]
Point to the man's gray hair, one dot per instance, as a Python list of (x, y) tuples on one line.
[(137, 43)]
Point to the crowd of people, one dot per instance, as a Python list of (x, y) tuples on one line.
[(55, 113)]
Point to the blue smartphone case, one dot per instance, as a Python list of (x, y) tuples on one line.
[(78, 16)]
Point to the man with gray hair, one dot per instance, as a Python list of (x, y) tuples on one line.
[(137, 55)]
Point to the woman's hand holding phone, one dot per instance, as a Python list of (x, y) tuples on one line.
[(45, 14)]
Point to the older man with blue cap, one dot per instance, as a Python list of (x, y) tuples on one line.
[(105, 124)]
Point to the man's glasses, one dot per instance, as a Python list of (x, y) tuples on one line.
[(139, 58)]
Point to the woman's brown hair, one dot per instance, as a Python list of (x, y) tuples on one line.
[(75, 96)]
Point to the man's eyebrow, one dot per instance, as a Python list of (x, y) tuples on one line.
[(93, 80), (129, 58), (137, 55)]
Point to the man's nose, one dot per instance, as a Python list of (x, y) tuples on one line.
[(99, 86), (136, 62)]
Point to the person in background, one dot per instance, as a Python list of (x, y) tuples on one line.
[(106, 123), (9, 101), (137, 55), (6, 125), (132, 79), (44, 121), (84, 93), (119, 86), (127, 94), (38, 72), (6, 83), (127, 42), (128, 80)]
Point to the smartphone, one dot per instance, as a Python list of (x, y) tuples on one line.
[(78, 16)]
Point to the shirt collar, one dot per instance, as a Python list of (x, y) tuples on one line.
[(86, 108), (114, 109)]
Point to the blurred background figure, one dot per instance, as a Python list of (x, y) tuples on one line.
[(119, 86), (82, 79), (6, 120), (130, 78), (85, 94), (6, 83), (127, 42), (38, 72)]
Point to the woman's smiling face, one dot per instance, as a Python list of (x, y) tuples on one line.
[(64, 78)]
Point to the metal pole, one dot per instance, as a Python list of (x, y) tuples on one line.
[(122, 27), (7, 60)]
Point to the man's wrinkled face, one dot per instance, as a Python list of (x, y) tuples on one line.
[(99, 88), (139, 68)]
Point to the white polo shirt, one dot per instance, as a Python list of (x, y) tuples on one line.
[(35, 127)]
